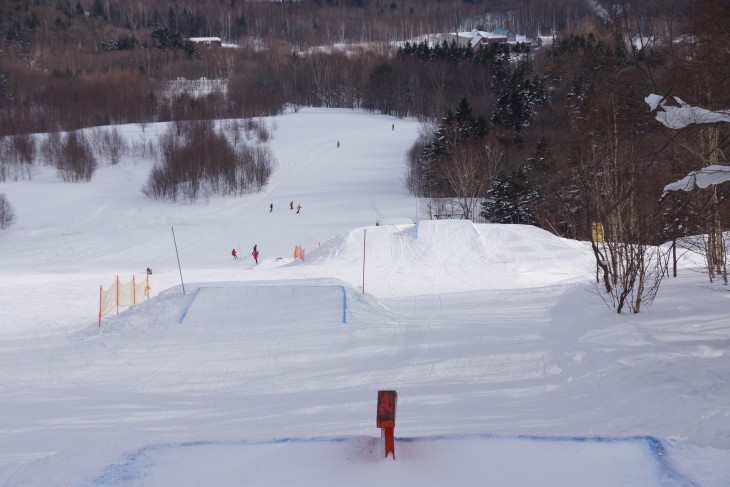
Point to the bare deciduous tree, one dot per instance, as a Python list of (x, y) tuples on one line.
[(470, 172), (625, 250)]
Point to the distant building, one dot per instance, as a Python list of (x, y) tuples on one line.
[(507, 34), (208, 41), (482, 38)]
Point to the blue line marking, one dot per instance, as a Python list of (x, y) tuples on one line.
[(187, 307), (344, 304), (132, 465)]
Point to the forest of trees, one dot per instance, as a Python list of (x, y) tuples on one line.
[(554, 134), (69, 64)]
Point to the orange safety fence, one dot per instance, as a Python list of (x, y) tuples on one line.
[(122, 294), (299, 252)]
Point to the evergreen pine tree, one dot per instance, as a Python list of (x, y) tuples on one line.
[(510, 200)]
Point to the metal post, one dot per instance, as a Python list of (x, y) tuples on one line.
[(178, 259), (364, 238), (100, 292)]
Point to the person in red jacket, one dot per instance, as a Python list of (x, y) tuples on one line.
[(255, 254), (234, 254)]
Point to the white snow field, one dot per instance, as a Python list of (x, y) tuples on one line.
[(510, 370)]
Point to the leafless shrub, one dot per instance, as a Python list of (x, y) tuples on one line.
[(50, 149), (139, 148), (76, 161), (16, 157), (23, 147), (257, 129), (7, 214), (234, 131), (196, 159), (113, 145), (263, 134)]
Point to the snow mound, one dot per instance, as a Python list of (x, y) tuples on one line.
[(454, 254), (241, 305)]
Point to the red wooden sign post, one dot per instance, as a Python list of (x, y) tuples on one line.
[(385, 420)]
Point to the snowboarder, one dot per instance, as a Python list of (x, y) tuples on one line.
[(149, 271), (338, 144), (271, 207), (291, 205), (234, 254), (299, 208), (255, 254)]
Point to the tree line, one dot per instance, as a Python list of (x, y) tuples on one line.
[(68, 65)]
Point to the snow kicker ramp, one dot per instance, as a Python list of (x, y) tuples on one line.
[(456, 255), (240, 306)]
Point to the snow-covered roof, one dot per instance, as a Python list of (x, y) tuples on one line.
[(205, 39), (501, 32), (476, 37)]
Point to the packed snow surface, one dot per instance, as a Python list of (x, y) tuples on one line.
[(509, 367)]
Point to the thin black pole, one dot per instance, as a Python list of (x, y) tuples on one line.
[(178, 259), (364, 238)]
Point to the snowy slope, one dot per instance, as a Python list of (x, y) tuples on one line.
[(509, 368)]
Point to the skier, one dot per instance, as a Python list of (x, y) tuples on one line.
[(234, 254), (291, 205), (271, 207), (299, 208), (149, 271), (338, 144), (255, 254)]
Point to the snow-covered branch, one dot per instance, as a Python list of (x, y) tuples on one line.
[(702, 178), (680, 114)]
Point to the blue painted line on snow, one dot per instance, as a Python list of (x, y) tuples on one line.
[(657, 450), (344, 304), (187, 308), (133, 464), (129, 469)]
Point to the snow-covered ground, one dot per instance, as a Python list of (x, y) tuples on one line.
[(509, 368)]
